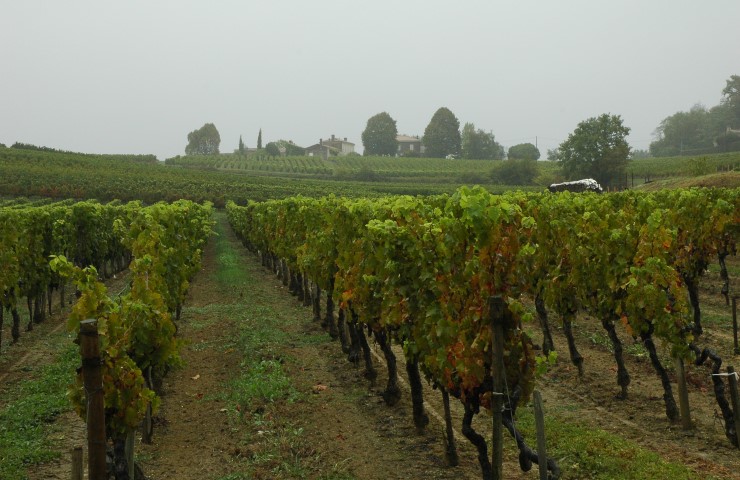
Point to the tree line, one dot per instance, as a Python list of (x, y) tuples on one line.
[(702, 130), (597, 148)]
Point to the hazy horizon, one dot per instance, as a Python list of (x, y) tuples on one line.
[(137, 77)]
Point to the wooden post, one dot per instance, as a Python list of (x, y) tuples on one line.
[(734, 325), (496, 314), (683, 395), (77, 469), (735, 398), (539, 420), (130, 454), (93, 380), (146, 424)]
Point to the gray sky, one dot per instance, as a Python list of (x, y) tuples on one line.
[(137, 76)]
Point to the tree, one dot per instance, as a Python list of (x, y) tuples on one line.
[(552, 154), (442, 135), (379, 136), (731, 99), (204, 141), (701, 130), (524, 151), (241, 146), (684, 133), (272, 149), (515, 171), (596, 149), (259, 140), (480, 145)]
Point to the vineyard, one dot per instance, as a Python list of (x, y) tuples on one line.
[(601, 299), (421, 273), (387, 168), (43, 247)]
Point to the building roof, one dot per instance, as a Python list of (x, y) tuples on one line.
[(406, 138)]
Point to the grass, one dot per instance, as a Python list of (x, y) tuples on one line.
[(631, 348), (733, 270), (25, 420), (595, 454), (277, 447)]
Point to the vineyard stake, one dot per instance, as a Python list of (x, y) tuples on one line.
[(77, 468), (130, 454), (735, 398), (93, 380), (496, 314), (539, 420), (734, 324), (683, 395)]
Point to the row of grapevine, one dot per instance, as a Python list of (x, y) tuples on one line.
[(634, 260), (46, 174), (421, 271), (137, 329), (30, 234)]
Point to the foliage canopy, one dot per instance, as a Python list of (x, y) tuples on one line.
[(203, 141), (379, 136), (524, 151), (480, 145), (442, 135), (596, 149)]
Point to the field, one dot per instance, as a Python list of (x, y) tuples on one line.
[(264, 392)]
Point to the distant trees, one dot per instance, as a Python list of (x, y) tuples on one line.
[(524, 151), (290, 148), (203, 141), (683, 132), (479, 145), (241, 146), (515, 172), (284, 147), (596, 149), (259, 140), (272, 149), (701, 130), (379, 136), (442, 135), (731, 100)]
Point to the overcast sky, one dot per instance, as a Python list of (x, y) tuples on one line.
[(137, 76)]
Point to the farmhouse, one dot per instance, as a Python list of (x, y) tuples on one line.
[(330, 146), (409, 145)]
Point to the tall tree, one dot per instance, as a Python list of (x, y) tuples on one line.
[(597, 149), (479, 145), (379, 136), (203, 141), (259, 140), (241, 145), (442, 135), (731, 98), (524, 151)]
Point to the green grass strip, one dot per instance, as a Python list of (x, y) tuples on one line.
[(26, 418), (263, 315), (589, 453)]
